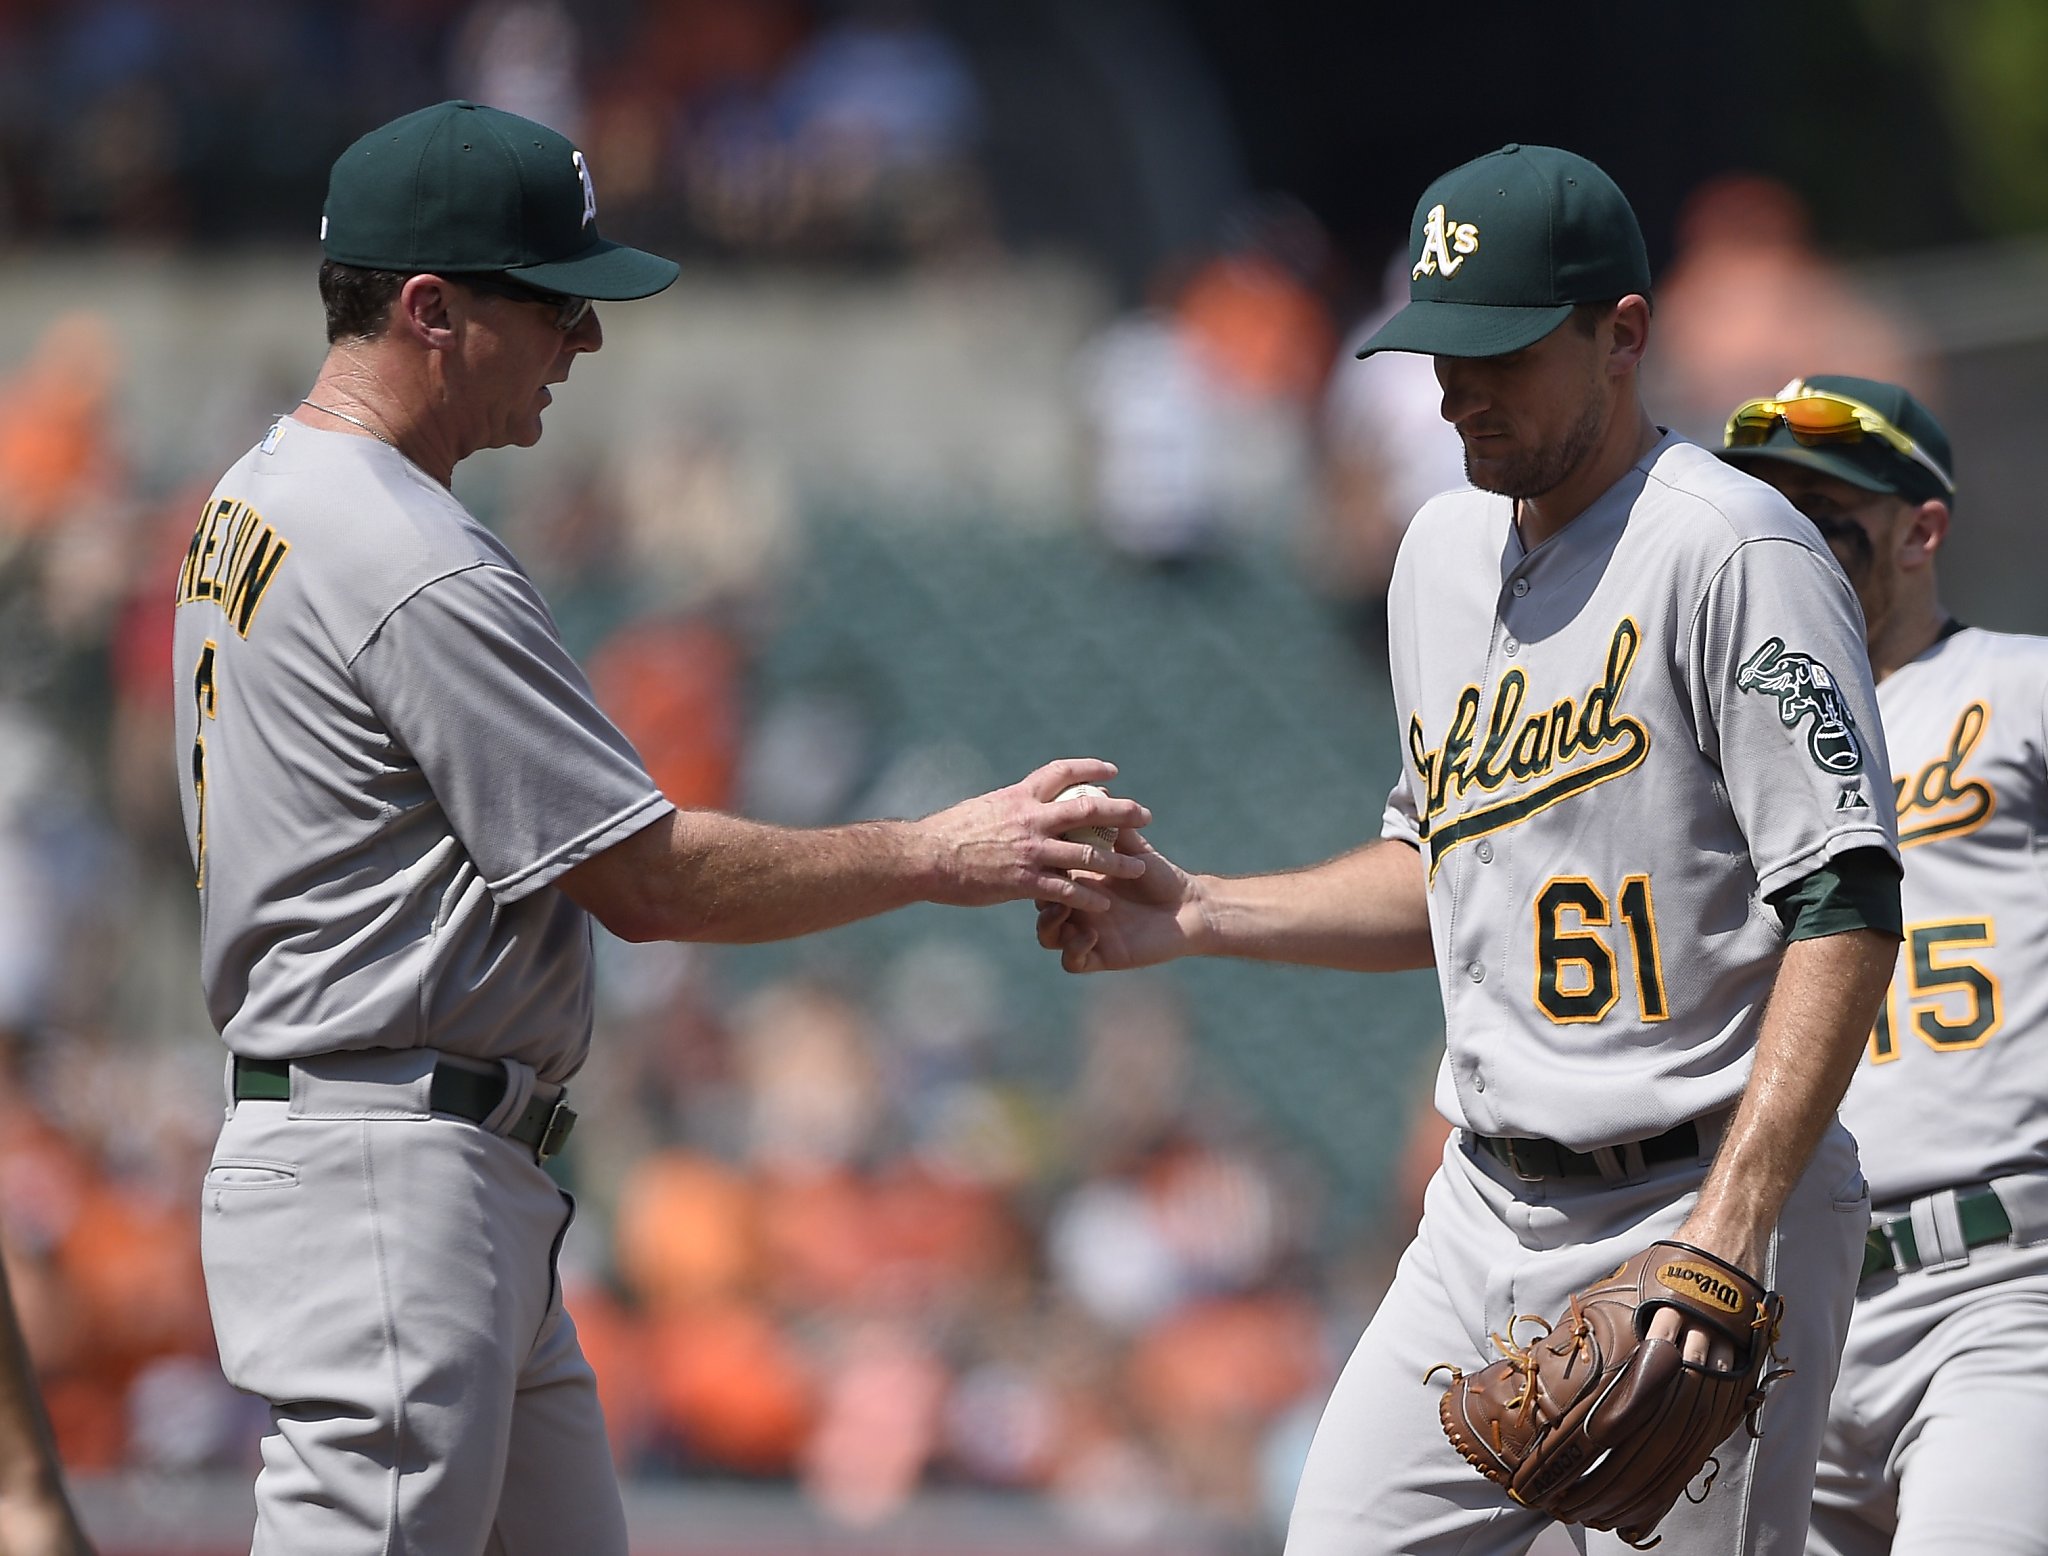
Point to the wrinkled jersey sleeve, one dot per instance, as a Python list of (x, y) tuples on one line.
[(1784, 705), (1399, 821), (471, 678)]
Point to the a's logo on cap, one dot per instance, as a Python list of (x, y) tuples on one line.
[(589, 189), (1445, 244)]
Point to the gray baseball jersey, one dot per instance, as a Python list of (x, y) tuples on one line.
[(1934, 1430), (390, 755), (1954, 1085), (1617, 746)]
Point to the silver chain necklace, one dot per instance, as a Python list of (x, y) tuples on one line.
[(353, 421)]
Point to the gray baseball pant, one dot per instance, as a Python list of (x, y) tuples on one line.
[(1382, 1478), (385, 1278), (1935, 1441)]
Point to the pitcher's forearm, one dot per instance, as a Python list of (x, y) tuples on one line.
[(1365, 911), (1821, 1007)]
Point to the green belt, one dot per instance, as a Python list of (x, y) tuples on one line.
[(1892, 1246), (472, 1094)]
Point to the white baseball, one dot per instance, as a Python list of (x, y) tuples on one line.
[(1097, 837)]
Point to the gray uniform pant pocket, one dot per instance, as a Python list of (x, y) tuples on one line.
[(388, 1286)]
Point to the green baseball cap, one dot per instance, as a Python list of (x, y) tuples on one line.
[(1872, 462), (459, 187), (1505, 245)]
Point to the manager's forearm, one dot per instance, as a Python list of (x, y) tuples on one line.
[(1814, 1028), (1365, 911), (725, 879)]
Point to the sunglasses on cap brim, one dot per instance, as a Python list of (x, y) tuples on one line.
[(1817, 418)]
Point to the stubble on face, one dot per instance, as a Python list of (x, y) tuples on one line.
[(1537, 471)]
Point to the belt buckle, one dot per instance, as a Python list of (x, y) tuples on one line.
[(1514, 1161), (1902, 1264), (561, 1119)]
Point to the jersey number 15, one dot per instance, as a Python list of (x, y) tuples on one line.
[(1952, 1000)]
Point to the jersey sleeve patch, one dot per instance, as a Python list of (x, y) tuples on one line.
[(1807, 693)]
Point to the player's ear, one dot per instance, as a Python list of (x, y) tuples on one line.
[(1923, 535), (423, 311), (1631, 326)]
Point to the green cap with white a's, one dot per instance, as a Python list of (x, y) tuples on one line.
[(1505, 245), (459, 187)]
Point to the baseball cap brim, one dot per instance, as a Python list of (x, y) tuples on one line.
[(1837, 462), (1441, 329), (606, 271)]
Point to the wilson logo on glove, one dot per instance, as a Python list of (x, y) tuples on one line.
[(1705, 1284), (1596, 1421)]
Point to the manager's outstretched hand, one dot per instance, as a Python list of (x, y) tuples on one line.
[(1009, 845)]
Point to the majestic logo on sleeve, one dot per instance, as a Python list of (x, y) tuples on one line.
[(1937, 801), (1445, 244), (1806, 688), (1539, 757)]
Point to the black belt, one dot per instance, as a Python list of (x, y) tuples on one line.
[(1892, 1245), (1534, 1159), (466, 1093)]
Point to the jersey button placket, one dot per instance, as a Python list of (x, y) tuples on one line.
[(1509, 646)]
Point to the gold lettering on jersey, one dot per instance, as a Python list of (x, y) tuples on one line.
[(1541, 757), (231, 562), (1445, 244), (1937, 801)]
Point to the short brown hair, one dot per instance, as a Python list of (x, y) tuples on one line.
[(1586, 317), (358, 301)]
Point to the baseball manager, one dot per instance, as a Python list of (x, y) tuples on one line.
[(404, 810)]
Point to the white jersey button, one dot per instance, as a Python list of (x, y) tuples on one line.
[(1519, 588), (1476, 972), (1478, 1082), (1485, 852), (1511, 648)]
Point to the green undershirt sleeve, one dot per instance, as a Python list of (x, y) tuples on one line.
[(1855, 890)]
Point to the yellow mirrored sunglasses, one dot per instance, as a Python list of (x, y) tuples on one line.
[(1818, 417)]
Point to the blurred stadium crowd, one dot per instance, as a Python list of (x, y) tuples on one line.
[(742, 127), (832, 1233)]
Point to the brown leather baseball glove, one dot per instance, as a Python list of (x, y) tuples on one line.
[(1600, 1423)]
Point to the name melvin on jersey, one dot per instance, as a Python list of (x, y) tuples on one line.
[(233, 557)]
